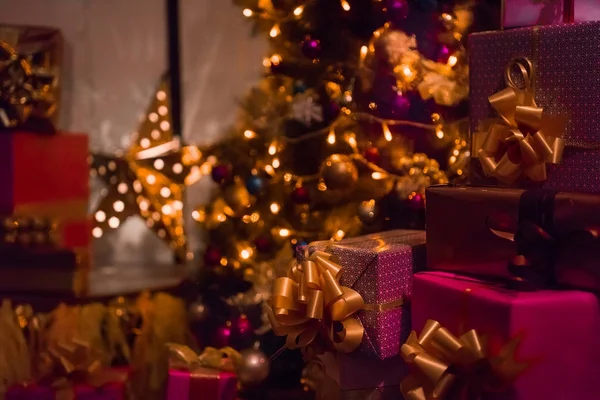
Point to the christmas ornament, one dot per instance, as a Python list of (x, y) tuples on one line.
[(311, 47), (222, 335), (372, 155), (301, 195), (148, 178), (419, 171), (254, 367), (242, 329), (368, 211), (397, 11), (237, 198), (212, 256), (443, 54), (339, 172), (263, 243), (198, 311), (299, 87), (221, 173), (306, 109), (255, 184)]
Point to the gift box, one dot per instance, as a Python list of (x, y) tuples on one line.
[(32, 59), (521, 13), (201, 383), (490, 231), (545, 344), (554, 65), (379, 268)]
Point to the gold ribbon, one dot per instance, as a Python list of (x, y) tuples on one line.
[(450, 367), (524, 138), (184, 358), (311, 300), (25, 91)]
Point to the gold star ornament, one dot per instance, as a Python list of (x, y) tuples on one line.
[(148, 178)]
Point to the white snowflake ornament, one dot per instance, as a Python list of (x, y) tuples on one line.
[(306, 110)]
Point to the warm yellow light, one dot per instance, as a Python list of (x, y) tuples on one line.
[(165, 125), (151, 179), (165, 192), (269, 169), (284, 232), (144, 205), (199, 215), (452, 60), (331, 137), (387, 134), (167, 209), (161, 95), (407, 71), (177, 205), (159, 164), (273, 148), (459, 172), (275, 163), (247, 12), (97, 232), (153, 117), (254, 217), (246, 253), (287, 177), (275, 31), (351, 141), (345, 5), (274, 207), (177, 168), (114, 222), (435, 117), (439, 133), (275, 59), (452, 159), (205, 168), (298, 11), (339, 235), (100, 216), (118, 206), (221, 217), (249, 134), (363, 53), (456, 152), (223, 261), (163, 110), (377, 175), (266, 62)]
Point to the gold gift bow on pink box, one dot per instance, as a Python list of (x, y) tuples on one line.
[(184, 358), (311, 300), (535, 137), (450, 367)]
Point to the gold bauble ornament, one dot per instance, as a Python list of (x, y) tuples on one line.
[(237, 198), (339, 172), (368, 212)]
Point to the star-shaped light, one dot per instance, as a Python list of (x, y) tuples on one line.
[(149, 177)]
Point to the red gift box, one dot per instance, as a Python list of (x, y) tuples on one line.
[(521, 13), (556, 334), (201, 383), (564, 82)]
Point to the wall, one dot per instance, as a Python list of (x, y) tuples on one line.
[(115, 54)]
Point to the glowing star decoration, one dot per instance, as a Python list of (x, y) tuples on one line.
[(148, 178), (305, 109)]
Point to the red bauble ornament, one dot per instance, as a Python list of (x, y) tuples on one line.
[(221, 173), (263, 243), (311, 47), (372, 155), (301, 195), (212, 256), (222, 336)]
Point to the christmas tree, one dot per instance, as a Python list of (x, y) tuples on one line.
[(362, 106)]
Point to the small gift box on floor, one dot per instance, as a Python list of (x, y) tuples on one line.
[(209, 375), (521, 13), (353, 296), (531, 107), (541, 236), (482, 339)]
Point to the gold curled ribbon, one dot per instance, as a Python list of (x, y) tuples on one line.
[(524, 138), (25, 91), (450, 367), (183, 357), (311, 300)]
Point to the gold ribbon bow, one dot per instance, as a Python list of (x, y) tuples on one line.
[(24, 91), (525, 138), (183, 357), (450, 367), (311, 300)]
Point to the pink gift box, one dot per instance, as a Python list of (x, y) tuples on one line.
[(559, 330), (380, 268), (565, 83), (521, 13), (109, 391), (201, 384)]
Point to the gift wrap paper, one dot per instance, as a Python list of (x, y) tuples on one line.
[(566, 82), (380, 268), (461, 222), (558, 332)]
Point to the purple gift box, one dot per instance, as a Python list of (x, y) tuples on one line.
[(521, 13), (380, 268), (565, 83)]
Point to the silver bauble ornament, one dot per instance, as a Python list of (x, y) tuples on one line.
[(198, 311), (253, 368)]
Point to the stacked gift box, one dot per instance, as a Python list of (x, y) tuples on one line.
[(44, 189)]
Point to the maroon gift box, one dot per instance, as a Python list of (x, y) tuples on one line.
[(201, 383), (521, 13), (565, 82), (556, 333), (109, 391), (380, 268), (469, 231)]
